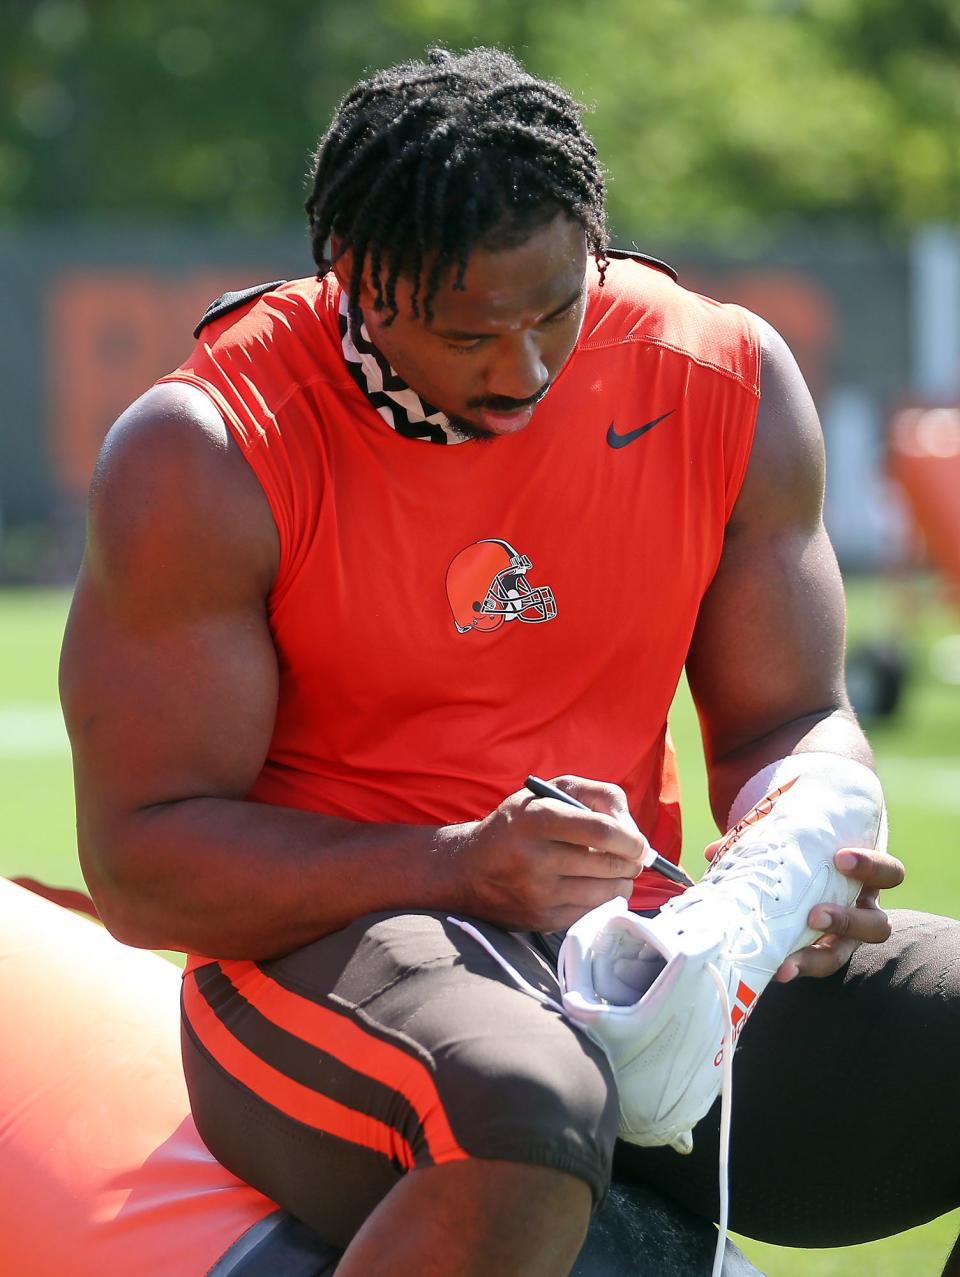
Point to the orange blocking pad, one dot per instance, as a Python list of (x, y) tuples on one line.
[(924, 458), (102, 1172)]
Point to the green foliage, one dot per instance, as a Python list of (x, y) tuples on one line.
[(198, 108), (713, 120)]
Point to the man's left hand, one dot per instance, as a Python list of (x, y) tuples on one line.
[(845, 928)]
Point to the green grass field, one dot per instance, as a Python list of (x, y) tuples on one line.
[(918, 756)]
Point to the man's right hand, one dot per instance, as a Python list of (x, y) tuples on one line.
[(539, 864)]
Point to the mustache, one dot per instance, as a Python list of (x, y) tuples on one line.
[(497, 403)]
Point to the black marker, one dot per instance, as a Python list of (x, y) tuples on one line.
[(652, 859)]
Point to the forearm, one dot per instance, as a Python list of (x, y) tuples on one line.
[(227, 878), (830, 731)]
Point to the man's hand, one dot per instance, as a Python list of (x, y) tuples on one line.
[(844, 928), (864, 922), (538, 864)]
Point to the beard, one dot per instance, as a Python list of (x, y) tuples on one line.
[(467, 431)]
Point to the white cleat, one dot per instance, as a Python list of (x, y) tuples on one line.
[(644, 995), (660, 994)]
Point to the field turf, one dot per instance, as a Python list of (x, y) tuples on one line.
[(918, 756)]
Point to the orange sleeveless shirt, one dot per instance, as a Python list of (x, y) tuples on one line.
[(449, 619)]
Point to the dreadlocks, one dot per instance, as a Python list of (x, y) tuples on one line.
[(434, 158)]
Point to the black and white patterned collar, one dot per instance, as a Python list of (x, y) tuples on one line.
[(400, 407)]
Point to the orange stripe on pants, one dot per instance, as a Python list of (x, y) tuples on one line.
[(341, 1037), (289, 1097)]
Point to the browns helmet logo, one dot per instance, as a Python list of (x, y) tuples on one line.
[(487, 585)]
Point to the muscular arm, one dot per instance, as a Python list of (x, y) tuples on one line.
[(169, 688), (766, 663)]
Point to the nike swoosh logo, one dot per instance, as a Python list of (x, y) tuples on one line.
[(621, 441)]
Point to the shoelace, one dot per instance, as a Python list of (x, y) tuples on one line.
[(729, 879), (726, 1074), (726, 1098), (520, 981)]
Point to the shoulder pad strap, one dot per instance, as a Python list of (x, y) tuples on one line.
[(230, 301), (624, 254)]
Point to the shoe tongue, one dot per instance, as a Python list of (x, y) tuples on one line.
[(624, 977)]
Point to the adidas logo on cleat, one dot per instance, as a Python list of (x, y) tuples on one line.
[(744, 1001)]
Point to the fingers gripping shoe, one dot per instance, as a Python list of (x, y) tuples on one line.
[(659, 993)]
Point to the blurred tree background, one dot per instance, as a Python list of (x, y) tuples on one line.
[(714, 121)]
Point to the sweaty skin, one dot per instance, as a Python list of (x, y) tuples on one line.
[(766, 663), (492, 350), (169, 675)]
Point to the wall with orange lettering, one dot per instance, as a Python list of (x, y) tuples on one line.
[(91, 318), (110, 335)]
